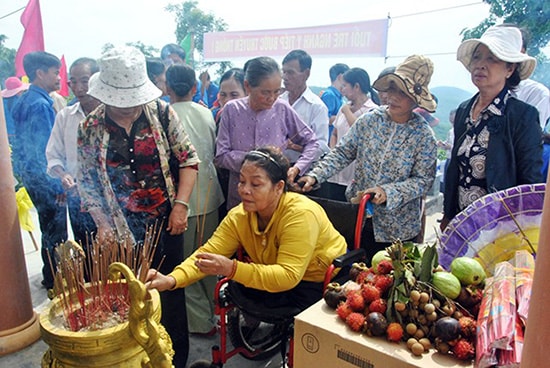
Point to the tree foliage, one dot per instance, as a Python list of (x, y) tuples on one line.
[(7, 60), (532, 15), (147, 50), (192, 20)]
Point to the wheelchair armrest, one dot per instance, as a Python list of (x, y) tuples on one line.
[(349, 258)]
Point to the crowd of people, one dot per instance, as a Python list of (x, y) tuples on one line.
[(233, 165)]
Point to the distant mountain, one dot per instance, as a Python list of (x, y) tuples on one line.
[(448, 98)]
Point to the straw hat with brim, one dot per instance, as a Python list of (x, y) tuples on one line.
[(13, 87), (122, 80), (505, 43), (412, 77)]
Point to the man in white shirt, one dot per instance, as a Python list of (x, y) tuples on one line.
[(61, 150), (312, 110), (530, 91), (535, 94)]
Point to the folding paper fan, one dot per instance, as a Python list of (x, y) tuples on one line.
[(494, 227)]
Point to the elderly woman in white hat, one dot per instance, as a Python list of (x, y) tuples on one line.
[(497, 137), (126, 183), (395, 155)]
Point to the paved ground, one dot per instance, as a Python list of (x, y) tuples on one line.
[(31, 356)]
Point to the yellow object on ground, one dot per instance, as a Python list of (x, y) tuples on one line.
[(24, 205)]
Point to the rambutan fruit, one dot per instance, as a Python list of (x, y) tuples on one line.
[(394, 332), (356, 321), (370, 293)]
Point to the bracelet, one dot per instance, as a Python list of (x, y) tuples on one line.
[(182, 202), (233, 270)]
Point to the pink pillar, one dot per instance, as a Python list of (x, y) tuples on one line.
[(537, 334), (18, 322)]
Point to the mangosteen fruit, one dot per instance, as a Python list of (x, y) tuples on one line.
[(334, 294), (447, 328), (377, 323)]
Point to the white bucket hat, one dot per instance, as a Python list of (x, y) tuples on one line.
[(412, 77), (505, 43), (122, 80)]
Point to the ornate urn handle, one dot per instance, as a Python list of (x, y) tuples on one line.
[(149, 334)]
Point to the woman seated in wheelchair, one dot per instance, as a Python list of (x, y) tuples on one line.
[(288, 240)]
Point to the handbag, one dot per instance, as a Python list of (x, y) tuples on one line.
[(172, 161)]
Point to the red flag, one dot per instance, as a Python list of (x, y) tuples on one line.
[(33, 37), (64, 82)]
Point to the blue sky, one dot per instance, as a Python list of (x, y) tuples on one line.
[(81, 28)]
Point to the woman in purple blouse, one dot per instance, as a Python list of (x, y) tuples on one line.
[(261, 119)]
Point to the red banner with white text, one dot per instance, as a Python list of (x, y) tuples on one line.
[(368, 38)]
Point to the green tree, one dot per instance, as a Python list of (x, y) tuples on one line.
[(7, 60), (533, 15), (192, 21)]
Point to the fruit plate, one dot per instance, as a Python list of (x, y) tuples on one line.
[(494, 227)]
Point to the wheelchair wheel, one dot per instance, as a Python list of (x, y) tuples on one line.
[(260, 339)]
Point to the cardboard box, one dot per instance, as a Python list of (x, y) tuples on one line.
[(322, 340)]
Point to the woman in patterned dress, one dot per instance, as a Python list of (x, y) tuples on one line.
[(395, 154), (124, 174), (497, 137)]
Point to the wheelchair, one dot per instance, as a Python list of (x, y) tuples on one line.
[(260, 334)]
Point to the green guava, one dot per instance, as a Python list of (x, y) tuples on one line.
[(468, 271), (447, 283), (379, 257)]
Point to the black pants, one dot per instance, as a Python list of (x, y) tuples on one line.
[(82, 224), (268, 306), (52, 218), (174, 312)]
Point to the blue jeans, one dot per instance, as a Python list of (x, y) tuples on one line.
[(52, 218), (545, 160)]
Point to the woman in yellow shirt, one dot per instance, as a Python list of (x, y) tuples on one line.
[(288, 238)]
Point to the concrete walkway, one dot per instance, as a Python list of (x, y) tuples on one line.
[(31, 356)]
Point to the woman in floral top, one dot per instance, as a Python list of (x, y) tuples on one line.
[(124, 175), (497, 137), (395, 156)]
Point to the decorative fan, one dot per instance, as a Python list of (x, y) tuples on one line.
[(494, 227)]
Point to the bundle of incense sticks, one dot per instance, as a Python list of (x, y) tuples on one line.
[(89, 300), (525, 270), (485, 354), (503, 312)]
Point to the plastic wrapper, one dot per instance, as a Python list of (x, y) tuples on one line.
[(512, 358), (502, 317), (525, 269), (485, 355)]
